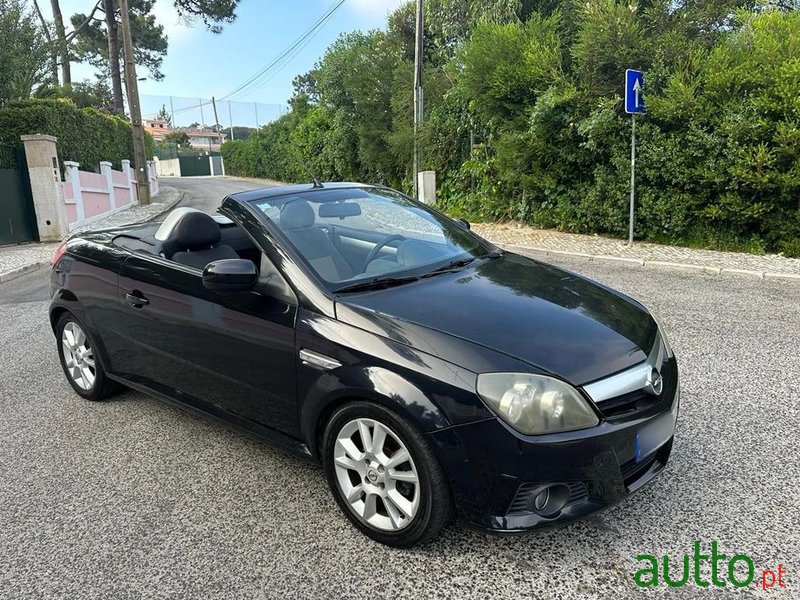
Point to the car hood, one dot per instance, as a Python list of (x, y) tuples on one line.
[(554, 320)]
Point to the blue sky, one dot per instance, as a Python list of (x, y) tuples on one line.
[(200, 64)]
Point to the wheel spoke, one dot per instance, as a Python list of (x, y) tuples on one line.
[(398, 458), (405, 506), (370, 507), (349, 463), (394, 513), (366, 437), (378, 439), (355, 493), (89, 360), (350, 449), (80, 337), (408, 476)]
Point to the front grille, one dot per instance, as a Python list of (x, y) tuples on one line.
[(523, 499), (640, 401)]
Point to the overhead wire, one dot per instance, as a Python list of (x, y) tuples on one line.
[(279, 62)]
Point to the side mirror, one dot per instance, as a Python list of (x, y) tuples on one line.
[(464, 223), (230, 275)]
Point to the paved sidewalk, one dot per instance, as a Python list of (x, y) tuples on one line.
[(520, 237), (20, 259)]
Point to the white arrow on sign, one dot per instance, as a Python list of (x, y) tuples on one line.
[(637, 87)]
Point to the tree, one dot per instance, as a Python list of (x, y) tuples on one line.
[(62, 44), (179, 138), (214, 13), (92, 95), (163, 115), (99, 42), (24, 51)]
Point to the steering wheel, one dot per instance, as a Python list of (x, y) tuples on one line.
[(373, 254)]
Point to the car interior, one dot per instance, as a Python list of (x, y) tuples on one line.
[(337, 252)]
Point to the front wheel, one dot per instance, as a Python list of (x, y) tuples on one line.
[(384, 476)]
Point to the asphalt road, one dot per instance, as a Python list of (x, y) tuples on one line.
[(133, 498), (206, 193)]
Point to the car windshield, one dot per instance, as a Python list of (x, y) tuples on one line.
[(353, 235)]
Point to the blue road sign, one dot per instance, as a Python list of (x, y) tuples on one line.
[(634, 92)]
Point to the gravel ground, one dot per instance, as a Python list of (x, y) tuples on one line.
[(134, 498)]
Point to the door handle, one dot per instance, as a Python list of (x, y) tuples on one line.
[(136, 301)]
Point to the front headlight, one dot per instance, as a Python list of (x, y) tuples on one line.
[(535, 404)]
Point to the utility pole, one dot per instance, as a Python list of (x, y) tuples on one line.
[(202, 116), (216, 118), (255, 105), (230, 120), (132, 85), (172, 111), (418, 96)]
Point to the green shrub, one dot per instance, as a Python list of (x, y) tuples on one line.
[(84, 135)]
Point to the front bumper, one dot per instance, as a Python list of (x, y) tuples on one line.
[(496, 473)]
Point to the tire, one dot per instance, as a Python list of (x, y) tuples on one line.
[(394, 500), (80, 360)]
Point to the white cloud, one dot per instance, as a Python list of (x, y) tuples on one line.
[(375, 7), (174, 26)]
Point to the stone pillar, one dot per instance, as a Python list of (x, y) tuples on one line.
[(211, 164), (105, 171), (126, 168), (48, 195), (71, 174)]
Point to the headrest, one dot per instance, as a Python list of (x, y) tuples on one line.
[(196, 230), (296, 214), (413, 252)]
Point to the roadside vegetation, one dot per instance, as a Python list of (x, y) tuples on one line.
[(524, 118)]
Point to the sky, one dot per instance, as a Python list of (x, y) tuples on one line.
[(200, 64)]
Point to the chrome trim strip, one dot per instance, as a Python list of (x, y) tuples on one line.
[(318, 360), (628, 381)]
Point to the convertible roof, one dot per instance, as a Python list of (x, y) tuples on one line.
[(288, 190)]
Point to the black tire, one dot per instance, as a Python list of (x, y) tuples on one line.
[(102, 387), (435, 509)]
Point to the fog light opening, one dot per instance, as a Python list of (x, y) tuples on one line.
[(549, 502)]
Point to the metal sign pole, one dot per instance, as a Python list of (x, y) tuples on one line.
[(633, 177)]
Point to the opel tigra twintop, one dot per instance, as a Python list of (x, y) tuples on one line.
[(431, 374)]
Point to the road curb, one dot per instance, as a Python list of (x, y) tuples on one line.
[(23, 270), (172, 205), (657, 264)]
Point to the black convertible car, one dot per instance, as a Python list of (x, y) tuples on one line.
[(430, 373)]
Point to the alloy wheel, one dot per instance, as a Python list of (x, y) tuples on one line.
[(376, 475), (78, 356)]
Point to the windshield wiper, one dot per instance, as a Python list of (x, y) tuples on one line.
[(455, 265), (375, 284)]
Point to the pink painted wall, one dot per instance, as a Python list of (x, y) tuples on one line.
[(69, 194), (118, 178), (121, 196), (95, 203), (92, 180)]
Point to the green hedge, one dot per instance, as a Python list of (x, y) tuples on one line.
[(85, 135)]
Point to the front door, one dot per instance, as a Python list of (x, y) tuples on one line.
[(234, 350)]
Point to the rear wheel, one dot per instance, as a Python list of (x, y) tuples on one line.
[(80, 360), (384, 476)]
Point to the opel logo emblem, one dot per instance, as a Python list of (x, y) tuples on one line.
[(655, 383), (372, 475)]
